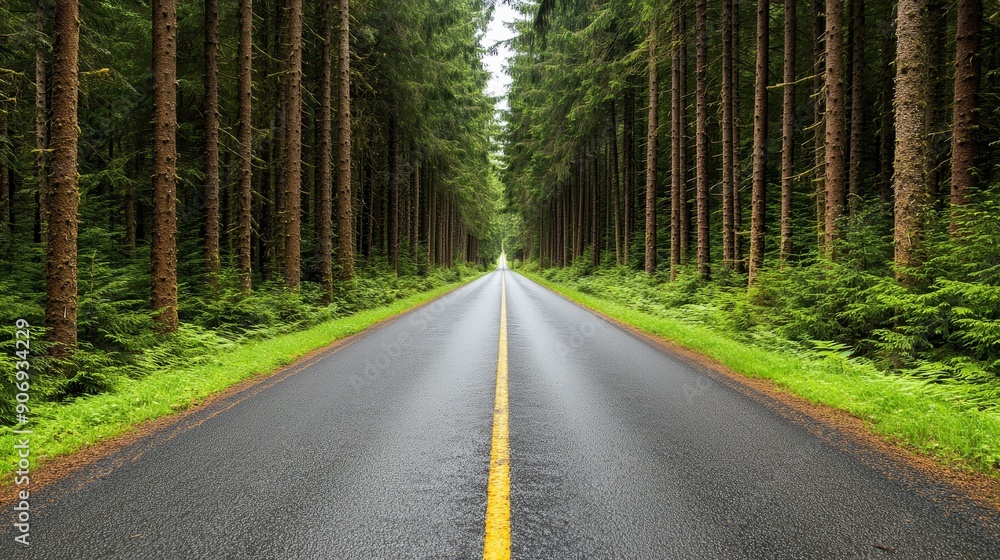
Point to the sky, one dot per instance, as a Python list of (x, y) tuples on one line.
[(499, 81)]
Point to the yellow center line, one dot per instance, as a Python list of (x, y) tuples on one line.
[(497, 541)]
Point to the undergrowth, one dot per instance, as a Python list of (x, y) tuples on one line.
[(117, 337)]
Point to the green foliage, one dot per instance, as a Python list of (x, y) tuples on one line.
[(117, 338), (61, 428), (943, 333), (949, 411)]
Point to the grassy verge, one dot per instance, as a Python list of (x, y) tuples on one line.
[(905, 410), (63, 428)]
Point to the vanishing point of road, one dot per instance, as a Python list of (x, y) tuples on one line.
[(500, 415)]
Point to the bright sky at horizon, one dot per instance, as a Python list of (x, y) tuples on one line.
[(497, 31)]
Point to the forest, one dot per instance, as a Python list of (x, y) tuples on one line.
[(816, 177), (180, 176)]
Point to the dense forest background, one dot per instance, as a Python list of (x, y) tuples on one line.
[(814, 176), (222, 170)]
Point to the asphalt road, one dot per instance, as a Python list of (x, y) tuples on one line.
[(382, 450)]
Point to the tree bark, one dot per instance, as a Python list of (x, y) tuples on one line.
[(909, 165), (676, 145), (41, 124), (324, 173), (701, 134), (738, 264), (293, 154), (245, 132), (345, 220), (415, 220), (758, 197), (968, 74), (595, 209), (64, 199), (5, 206), (163, 249), (628, 139), (834, 124), (654, 92), (857, 110), (616, 184), (212, 140), (728, 233), (393, 212), (819, 104), (685, 210), (788, 132), (937, 129)]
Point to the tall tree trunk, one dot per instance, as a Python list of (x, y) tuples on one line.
[(431, 219), (728, 233), (415, 220), (279, 152), (937, 128), (857, 110), (245, 133), (738, 264), (911, 143), (628, 140), (64, 199), (212, 140), (968, 73), (654, 93), (616, 183), (580, 218), (293, 154), (676, 145), (759, 195), (595, 208), (345, 219), (324, 174), (682, 169), (835, 137), (819, 104), (701, 136), (393, 217), (41, 123), (6, 243), (163, 249), (788, 132)]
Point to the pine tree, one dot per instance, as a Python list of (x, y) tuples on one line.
[(324, 172), (212, 139), (834, 178), (651, 141), (64, 196), (701, 135), (245, 137), (293, 151), (345, 215), (910, 165), (968, 74), (758, 201), (163, 259), (788, 131)]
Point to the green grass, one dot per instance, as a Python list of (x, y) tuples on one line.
[(915, 413), (63, 428)]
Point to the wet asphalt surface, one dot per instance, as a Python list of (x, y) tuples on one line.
[(381, 451)]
